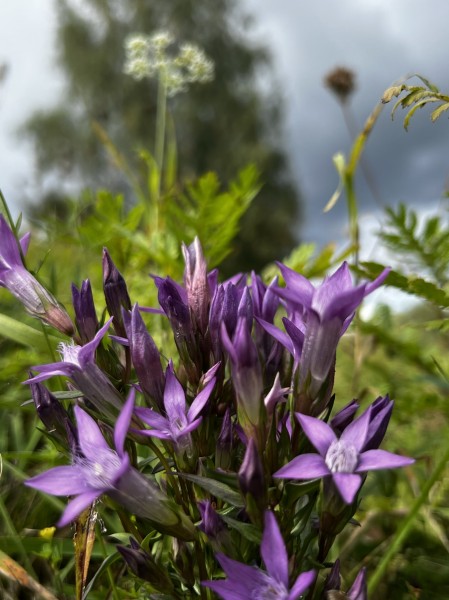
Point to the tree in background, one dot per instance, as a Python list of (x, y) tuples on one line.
[(220, 126)]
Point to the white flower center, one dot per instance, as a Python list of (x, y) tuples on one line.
[(69, 353), (342, 457), (271, 590), (101, 473)]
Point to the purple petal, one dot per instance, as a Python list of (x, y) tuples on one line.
[(318, 432), (229, 590), (76, 506), (357, 431), (174, 397), (301, 287), (59, 481), (372, 460), (246, 576), (90, 437), (359, 590), (87, 352), (343, 305), (25, 242), (273, 551), (51, 370), (123, 421), (9, 250), (162, 435), (200, 401), (228, 346), (278, 335), (373, 285), (152, 418), (348, 484), (304, 581), (178, 432), (304, 466)]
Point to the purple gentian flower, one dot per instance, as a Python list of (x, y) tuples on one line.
[(13, 275), (85, 314), (341, 458), (180, 420), (327, 312), (244, 581), (95, 472), (78, 363), (196, 284)]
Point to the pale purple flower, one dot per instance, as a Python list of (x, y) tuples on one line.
[(14, 276), (78, 363), (180, 420), (326, 312), (341, 458), (96, 471), (245, 582)]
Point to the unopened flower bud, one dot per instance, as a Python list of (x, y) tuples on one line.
[(115, 292), (85, 315)]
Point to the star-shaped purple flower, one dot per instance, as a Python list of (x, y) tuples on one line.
[(244, 582), (341, 458), (95, 471), (180, 420)]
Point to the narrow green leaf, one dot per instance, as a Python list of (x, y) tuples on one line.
[(24, 334), (247, 530), (216, 488), (439, 111)]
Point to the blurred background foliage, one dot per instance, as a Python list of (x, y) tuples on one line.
[(233, 190)]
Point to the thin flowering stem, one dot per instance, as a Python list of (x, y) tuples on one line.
[(160, 125)]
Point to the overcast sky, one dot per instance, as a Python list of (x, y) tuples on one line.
[(381, 40)]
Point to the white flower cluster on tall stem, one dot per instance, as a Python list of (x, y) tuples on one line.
[(146, 56)]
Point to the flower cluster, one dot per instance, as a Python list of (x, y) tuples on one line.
[(146, 57), (206, 443)]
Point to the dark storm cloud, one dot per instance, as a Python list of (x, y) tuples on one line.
[(380, 41)]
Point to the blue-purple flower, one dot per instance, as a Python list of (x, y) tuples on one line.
[(180, 420), (326, 312), (342, 458), (95, 471), (78, 363), (244, 582), (13, 275)]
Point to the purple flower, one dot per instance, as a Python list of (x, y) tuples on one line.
[(341, 458), (78, 363), (13, 275), (244, 581), (85, 315), (180, 420), (246, 371), (327, 312), (94, 472)]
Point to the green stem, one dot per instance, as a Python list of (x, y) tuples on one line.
[(7, 212), (406, 526), (160, 139), (114, 590)]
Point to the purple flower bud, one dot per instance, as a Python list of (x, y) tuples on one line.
[(246, 371), (225, 441), (145, 356), (143, 565), (345, 416), (251, 474), (197, 287), (115, 292), (49, 410), (245, 308), (35, 297), (85, 315), (381, 410), (223, 310), (211, 522)]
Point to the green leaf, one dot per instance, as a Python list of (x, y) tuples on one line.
[(392, 92), (340, 165), (216, 488), (247, 530), (439, 111), (25, 335), (104, 565)]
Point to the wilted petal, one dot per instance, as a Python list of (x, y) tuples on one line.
[(273, 551), (372, 460), (348, 484), (304, 581), (318, 432), (304, 466), (76, 506), (59, 481)]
